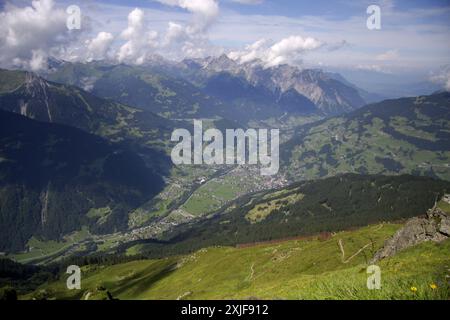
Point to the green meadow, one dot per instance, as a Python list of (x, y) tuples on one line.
[(292, 269)]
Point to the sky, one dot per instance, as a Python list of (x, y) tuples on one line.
[(414, 36)]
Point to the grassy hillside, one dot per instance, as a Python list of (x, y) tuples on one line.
[(305, 208), (408, 135), (52, 175), (47, 101), (295, 269), (143, 87)]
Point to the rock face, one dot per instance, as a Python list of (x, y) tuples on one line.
[(330, 95), (435, 227)]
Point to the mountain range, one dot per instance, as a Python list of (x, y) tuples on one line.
[(213, 87), (131, 111), (331, 96)]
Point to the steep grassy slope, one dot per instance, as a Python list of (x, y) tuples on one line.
[(408, 135), (296, 269), (142, 131), (140, 86), (331, 204), (42, 100), (51, 175)]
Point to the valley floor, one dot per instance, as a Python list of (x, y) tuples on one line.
[(333, 268)]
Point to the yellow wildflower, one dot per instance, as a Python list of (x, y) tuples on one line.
[(433, 286), (414, 289)]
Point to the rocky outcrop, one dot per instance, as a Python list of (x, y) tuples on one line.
[(435, 227), (330, 94)]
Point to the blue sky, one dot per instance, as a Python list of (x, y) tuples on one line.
[(296, 8), (415, 30), (414, 35), (333, 9)]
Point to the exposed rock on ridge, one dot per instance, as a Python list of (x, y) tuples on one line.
[(435, 227)]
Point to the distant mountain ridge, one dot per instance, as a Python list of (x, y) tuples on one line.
[(407, 135), (162, 89), (28, 94), (43, 100), (331, 96), (192, 88), (144, 87)]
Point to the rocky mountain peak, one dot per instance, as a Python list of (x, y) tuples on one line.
[(331, 96), (220, 64), (35, 85), (434, 227)]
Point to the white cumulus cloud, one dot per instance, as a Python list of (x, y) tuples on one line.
[(287, 50), (28, 35), (175, 33), (248, 1), (139, 39), (191, 39), (98, 47), (442, 77), (205, 12), (388, 55)]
